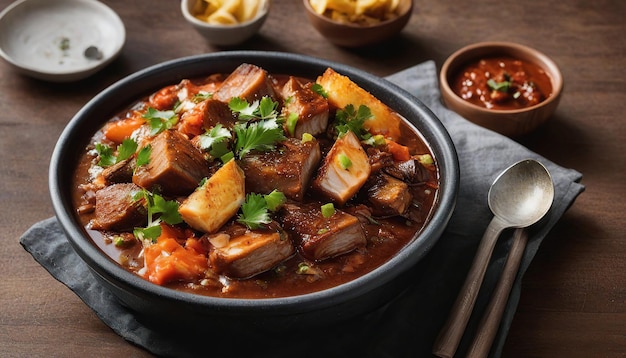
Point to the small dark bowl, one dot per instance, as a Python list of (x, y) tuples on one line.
[(333, 305)]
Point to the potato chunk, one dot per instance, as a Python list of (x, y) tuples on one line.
[(213, 204), (342, 91)]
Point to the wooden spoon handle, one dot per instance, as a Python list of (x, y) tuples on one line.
[(490, 322), (450, 335)]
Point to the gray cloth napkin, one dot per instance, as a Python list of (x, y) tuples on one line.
[(407, 326)]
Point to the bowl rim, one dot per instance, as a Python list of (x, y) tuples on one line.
[(260, 15), (495, 47), (71, 73), (401, 262), (400, 17)]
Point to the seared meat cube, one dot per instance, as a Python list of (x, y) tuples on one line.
[(410, 171), (388, 195), (247, 81), (217, 112), (116, 210), (345, 169), (121, 172), (318, 237), (342, 92), (310, 107), (247, 253), (215, 202), (288, 169), (176, 167)]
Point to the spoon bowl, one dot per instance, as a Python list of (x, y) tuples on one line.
[(519, 197), (522, 194)]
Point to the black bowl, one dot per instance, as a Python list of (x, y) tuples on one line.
[(329, 306)]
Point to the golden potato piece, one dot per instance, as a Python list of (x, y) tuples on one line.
[(209, 207), (342, 92)]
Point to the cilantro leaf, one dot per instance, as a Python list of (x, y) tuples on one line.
[(266, 108), (160, 120), (262, 135), (167, 210), (106, 155), (499, 86), (143, 157), (124, 151), (216, 135), (349, 119), (254, 213)]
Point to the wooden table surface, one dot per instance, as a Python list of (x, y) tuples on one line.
[(573, 301)]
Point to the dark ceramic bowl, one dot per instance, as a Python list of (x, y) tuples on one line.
[(149, 300)]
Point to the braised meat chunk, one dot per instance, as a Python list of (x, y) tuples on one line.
[(121, 172), (310, 107), (288, 169), (345, 169), (320, 237), (117, 210), (388, 196), (176, 167), (248, 82), (242, 253)]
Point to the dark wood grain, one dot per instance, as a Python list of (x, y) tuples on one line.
[(573, 301)]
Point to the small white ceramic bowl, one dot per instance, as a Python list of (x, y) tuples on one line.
[(226, 35), (48, 39)]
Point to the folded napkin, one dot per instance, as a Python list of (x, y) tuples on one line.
[(407, 326)]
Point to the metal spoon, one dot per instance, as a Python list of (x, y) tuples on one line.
[(519, 197)]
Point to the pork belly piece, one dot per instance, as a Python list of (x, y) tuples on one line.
[(388, 196), (320, 238), (216, 201), (342, 91), (121, 172), (247, 81), (176, 167), (116, 210), (345, 169), (245, 253), (288, 169), (310, 107)]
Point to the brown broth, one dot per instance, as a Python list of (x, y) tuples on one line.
[(384, 240)]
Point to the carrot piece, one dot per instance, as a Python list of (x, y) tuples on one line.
[(168, 261), (400, 152), (119, 130), (165, 98)]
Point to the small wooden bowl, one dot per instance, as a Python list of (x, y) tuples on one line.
[(514, 122), (353, 35)]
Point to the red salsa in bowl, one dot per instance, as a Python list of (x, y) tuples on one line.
[(502, 83)]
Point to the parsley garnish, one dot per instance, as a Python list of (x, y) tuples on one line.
[(201, 96), (353, 120), (217, 134), (156, 205), (143, 157), (255, 209), (124, 151), (262, 135), (264, 109), (160, 120)]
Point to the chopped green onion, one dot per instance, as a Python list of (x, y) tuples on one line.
[(328, 210), (307, 137), (344, 161)]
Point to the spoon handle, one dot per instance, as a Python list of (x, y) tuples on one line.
[(450, 335), (490, 322)]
